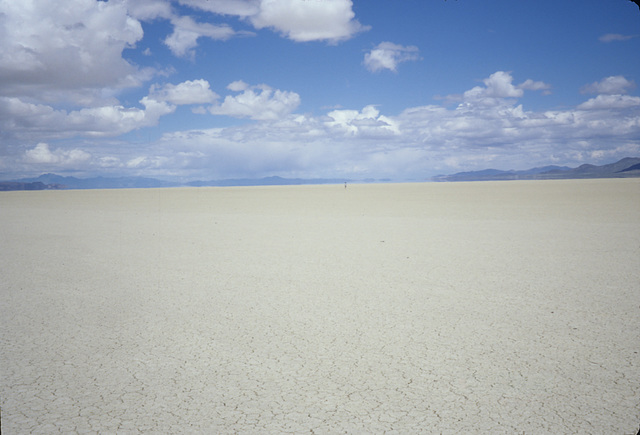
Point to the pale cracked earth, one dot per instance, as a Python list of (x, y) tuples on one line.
[(507, 307)]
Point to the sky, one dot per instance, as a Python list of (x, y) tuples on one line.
[(186, 90)]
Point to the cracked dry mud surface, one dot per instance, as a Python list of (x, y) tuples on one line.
[(510, 307)]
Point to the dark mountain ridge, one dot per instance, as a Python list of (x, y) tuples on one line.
[(53, 181), (624, 168)]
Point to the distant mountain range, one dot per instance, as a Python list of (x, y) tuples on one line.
[(625, 168), (53, 181)]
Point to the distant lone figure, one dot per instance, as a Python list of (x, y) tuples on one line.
[(345, 184)]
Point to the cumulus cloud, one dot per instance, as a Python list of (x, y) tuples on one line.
[(114, 120), (298, 20), (256, 102), (238, 86), (149, 9), (41, 154), (186, 33), (146, 162), (416, 143), (368, 121), (610, 102), (326, 20), (412, 144), (388, 55), (48, 48), (352, 143), (497, 88), (20, 119), (531, 85), (609, 86), (241, 8), (188, 92), (611, 37), (422, 139)]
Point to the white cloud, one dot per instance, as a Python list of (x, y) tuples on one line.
[(366, 122), (610, 102), (257, 102), (531, 85), (41, 154), (149, 9), (417, 143), (146, 162), (186, 33), (114, 120), (329, 20), (188, 92), (387, 55), (299, 20), (241, 8), (611, 37), (48, 49), (498, 89), (237, 86), (20, 119), (108, 162), (609, 86), (497, 85)]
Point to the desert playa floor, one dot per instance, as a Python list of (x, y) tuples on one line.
[(495, 307)]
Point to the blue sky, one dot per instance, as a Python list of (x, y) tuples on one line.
[(402, 89)]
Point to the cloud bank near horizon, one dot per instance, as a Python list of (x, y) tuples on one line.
[(488, 123)]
